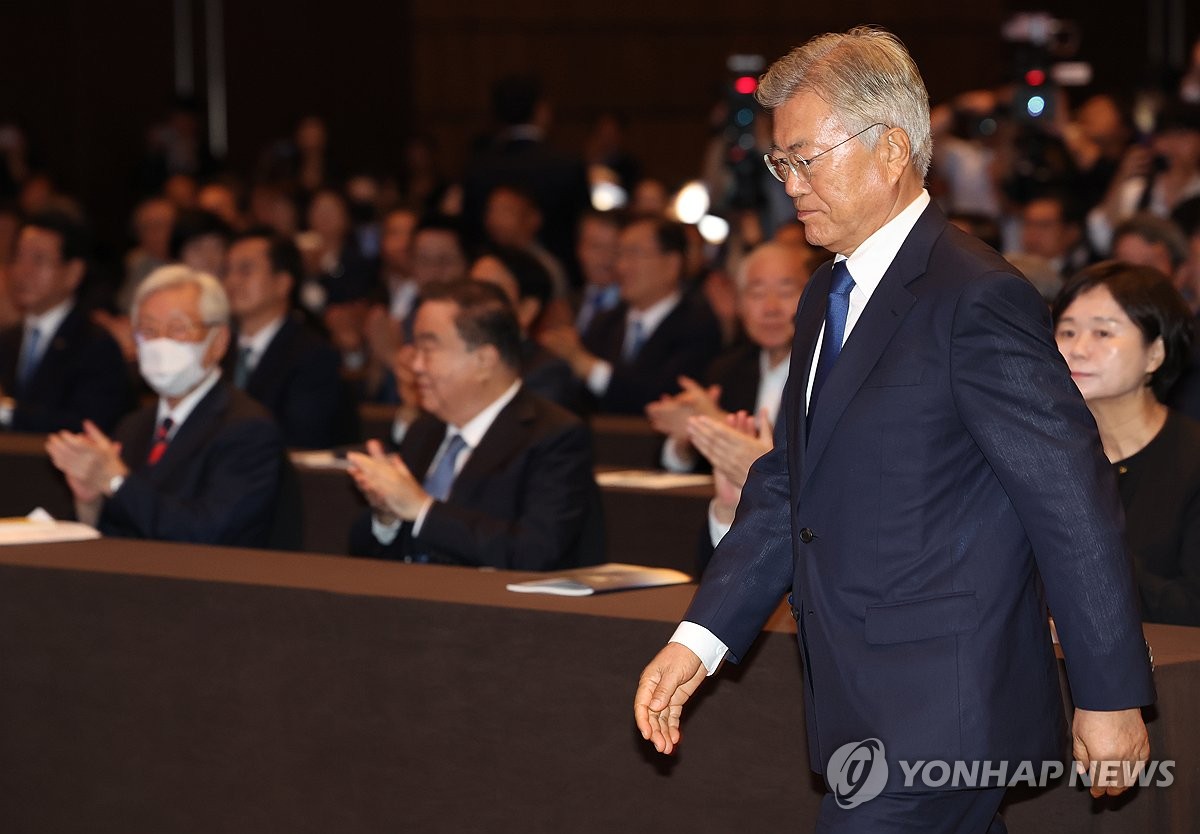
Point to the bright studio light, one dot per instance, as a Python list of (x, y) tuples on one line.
[(713, 229), (691, 203)]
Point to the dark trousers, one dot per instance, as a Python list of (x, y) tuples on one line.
[(934, 812)]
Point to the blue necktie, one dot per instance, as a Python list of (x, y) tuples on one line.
[(438, 481), (241, 369), (835, 329), (29, 356), (634, 340)]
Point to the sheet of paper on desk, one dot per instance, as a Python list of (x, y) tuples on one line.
[(651, 479), (320, 459), (39, 527), (601, 579)]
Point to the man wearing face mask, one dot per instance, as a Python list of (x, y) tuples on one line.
[(204, 464)]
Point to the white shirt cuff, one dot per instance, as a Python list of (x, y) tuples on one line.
[(421, 513), (599, 377), (716, 529), (384, 533), (676, 459), (703, 642)]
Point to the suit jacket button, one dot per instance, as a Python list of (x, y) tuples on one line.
[(806, 535)]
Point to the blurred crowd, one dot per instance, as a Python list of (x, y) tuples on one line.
[(617, 306)]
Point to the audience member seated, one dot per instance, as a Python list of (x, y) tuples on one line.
[(57, 368), (396, 280), (749, 377), (1125, 331), (491, 475), (526, 284), (438, 256), (1146, 240), (1153, 177), (336, 271), (204, 463), (1052, 228), (277, 359), (511, 218), (596, 250), (153, 223), (199, 241), (637, 351)]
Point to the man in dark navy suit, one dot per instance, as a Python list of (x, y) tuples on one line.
[(276, 359), (205, 463), (56, 368), (634, 353), (491, 475), (934, 467)]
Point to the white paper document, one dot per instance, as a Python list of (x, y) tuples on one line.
[(40, 527), (651, 479), (600, 579)]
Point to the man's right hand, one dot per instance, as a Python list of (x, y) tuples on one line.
[(665, 686)]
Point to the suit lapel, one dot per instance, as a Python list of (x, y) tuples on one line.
[(809, 317), (272, 361), (503, 437), (879, 321), (193, 434)]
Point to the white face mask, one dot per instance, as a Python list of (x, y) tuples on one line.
[(173, 368)]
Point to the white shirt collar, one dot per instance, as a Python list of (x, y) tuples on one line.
[(875, 254), (260, 341), (475, 428), (771, 381), (653, 315), (47, 323), (188, 404)]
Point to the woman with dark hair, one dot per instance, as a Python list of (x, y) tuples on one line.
[(1126, 334)]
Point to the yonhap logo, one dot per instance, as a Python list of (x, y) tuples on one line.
[(857, 772)]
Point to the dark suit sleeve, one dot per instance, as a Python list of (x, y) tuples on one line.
[(1016, 398), (751, 569), (241, 482), (97, 389), (556, 488), (311, 404)]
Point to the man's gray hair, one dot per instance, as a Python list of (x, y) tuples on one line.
[(867, 76), (214, 304), (763, 250)]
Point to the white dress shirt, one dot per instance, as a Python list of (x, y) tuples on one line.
[(867, 266)]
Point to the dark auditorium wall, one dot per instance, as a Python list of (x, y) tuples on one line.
[(86, 79)]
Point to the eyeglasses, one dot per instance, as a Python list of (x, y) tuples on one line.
[(179, 330), (781, 166)]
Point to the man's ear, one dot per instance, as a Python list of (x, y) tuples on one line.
[(895, 149), (74, 270)]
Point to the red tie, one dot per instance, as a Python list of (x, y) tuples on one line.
[(160, 441)]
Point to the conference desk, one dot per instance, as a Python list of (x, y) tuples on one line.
[(642, 526), (148, 687), (618, 439)]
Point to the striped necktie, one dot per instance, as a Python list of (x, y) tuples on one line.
[(162, 437)]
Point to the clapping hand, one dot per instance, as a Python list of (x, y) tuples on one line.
[(387, 484)]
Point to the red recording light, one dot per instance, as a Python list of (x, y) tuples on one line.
[(1035, 77), (746, 85)]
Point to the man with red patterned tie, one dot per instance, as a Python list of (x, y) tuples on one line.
[(204, 464)]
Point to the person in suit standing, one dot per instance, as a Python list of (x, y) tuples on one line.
[(634, 353), (934, 468), (205, 463), (490, 475), (57, 369), (277, 360)]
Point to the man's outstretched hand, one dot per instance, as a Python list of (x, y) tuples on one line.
[(665, 686)]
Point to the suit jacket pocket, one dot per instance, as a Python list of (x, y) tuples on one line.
[(905, 622)]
